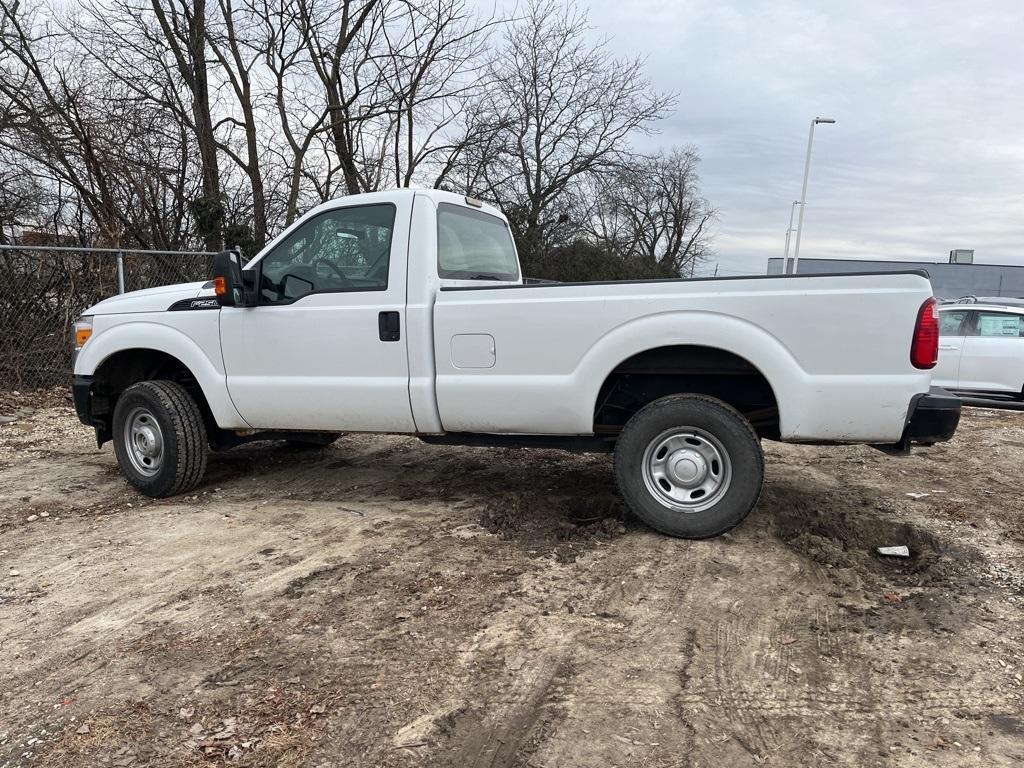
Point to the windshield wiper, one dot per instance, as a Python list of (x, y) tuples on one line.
[(482, 276)]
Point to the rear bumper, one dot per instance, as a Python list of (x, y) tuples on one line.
[(932, 418)]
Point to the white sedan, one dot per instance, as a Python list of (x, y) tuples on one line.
[(981, 350)]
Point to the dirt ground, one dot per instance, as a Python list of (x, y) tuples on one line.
[(386, 603)]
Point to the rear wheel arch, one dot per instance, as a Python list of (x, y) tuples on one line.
[(695, 369)]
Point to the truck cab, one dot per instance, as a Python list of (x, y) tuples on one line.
[(337, 320)]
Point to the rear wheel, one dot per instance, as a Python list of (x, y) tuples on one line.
[(689, 466), (159, 438)]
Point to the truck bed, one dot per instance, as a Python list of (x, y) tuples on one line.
[(833, 348)]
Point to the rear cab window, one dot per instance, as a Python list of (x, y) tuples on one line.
[(473, 245)]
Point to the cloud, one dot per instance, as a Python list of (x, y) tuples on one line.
[(928, 151)]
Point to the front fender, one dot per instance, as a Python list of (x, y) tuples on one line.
[(204, 363)]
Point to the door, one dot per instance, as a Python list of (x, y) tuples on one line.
[(325, 348), (952, 330), (993, 355)]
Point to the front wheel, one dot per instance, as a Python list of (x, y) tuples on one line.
[(689, 466), (159, 438)]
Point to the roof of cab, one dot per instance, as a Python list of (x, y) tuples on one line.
[(436, 195), (386, 196)]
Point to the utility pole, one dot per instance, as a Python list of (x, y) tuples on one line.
[(803, 192), (785, 253)]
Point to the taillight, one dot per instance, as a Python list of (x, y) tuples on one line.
[(924, 349)]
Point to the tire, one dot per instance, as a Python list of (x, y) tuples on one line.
[(159, 438), (314, 441), (690, 466)]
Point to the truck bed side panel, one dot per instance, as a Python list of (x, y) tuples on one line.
[(834, 349)]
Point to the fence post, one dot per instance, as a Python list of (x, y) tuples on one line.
[(120, 272)]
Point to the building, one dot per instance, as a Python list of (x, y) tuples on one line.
[(949, 281)]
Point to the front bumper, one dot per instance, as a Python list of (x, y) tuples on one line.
[(92, 411), (81, 393), (932, 418)]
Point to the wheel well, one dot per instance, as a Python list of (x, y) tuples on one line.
[(677, 369), (130, 366)]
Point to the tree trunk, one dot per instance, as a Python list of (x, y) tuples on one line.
[(212, 209)]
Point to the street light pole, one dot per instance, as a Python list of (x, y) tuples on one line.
[(803, 192), (785, 253)]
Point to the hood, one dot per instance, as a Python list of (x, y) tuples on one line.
[(150, 299)]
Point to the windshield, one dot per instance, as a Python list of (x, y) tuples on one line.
[(473, 245)]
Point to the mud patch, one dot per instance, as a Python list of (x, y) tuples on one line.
[(298, 587), (836, 537), (561, 526)]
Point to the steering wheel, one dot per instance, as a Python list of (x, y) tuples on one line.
[(334, 268)]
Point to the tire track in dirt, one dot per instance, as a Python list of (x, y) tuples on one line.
[(494, 739), (631, 656)]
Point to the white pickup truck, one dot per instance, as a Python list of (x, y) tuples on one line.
[(405, 312)]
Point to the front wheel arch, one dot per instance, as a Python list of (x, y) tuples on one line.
[(127, 367)]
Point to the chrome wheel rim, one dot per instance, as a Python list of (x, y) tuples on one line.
[(687, 469), (144, 441)]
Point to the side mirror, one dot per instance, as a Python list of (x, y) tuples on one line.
[(227, 279)]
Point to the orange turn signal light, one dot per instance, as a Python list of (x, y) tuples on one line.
[(82, 335), (220, 286)]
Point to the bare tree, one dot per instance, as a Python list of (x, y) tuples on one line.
[(229, 41), (562, 107), (94, 148), (164, 122), (650, 212), (183, 23), (333, 41), (300, 114), (431, 68)]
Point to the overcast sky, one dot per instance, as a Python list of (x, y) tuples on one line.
[(928, 150)]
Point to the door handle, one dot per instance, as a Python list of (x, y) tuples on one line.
[(389, 326)]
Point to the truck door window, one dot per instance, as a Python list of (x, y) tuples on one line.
[(346, 249), (1000, 325), (951, 323), (473, 245)]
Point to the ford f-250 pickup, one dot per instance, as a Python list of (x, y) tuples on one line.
[(405, 312)]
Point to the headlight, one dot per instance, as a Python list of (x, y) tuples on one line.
[(83, 330)]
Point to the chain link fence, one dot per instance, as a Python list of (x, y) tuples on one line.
[(44, 289)]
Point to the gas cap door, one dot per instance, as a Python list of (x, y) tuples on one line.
[(473, 350)]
